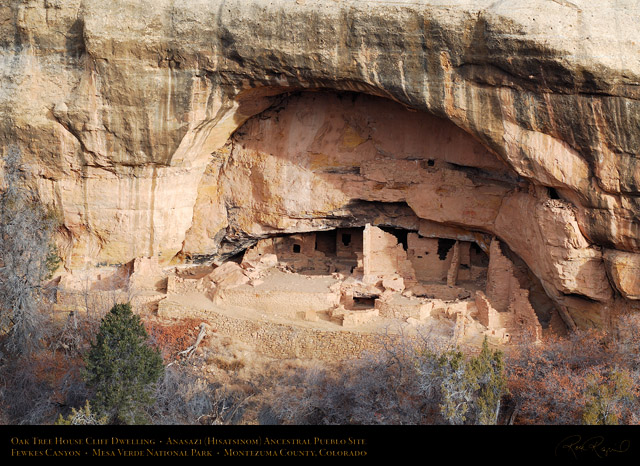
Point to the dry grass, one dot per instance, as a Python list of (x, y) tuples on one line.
[(226, 364)]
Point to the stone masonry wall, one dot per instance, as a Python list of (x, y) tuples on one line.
[(279, 340)]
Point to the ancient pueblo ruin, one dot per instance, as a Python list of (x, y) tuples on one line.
[(463, 166)]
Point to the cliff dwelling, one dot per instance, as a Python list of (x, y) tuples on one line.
[(379, 165), (206, 165), (387, 212), (306, 178), (349, 210)]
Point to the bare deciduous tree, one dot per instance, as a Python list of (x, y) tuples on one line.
[(26, 229)]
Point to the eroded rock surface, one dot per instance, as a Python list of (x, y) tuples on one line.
[(180, 129)]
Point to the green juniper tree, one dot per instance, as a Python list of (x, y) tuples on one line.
[(458, 386), (122, 367), (468, 389), (488, 369)]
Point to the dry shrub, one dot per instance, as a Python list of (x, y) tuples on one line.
[(36, 389), (172, 337), (371, 390), (551, 382), (39, 386), (627, 341), (73, 333), (185, 397)]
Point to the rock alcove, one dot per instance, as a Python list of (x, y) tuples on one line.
[(304, 177), (478, 119)]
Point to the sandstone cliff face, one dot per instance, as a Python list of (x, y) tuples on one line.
[(528, 110)]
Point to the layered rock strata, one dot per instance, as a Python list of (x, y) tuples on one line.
[(179, 128)]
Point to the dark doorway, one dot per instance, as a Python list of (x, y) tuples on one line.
[(326, 242), (444, 245)]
